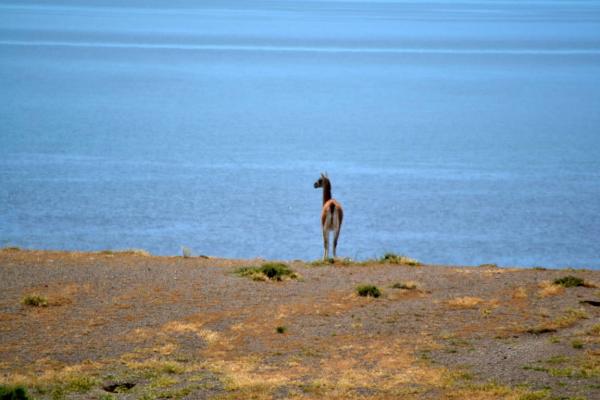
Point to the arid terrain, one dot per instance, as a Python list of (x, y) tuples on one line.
[(128, 325)]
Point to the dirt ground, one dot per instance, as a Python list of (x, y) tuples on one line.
[(133, 326)]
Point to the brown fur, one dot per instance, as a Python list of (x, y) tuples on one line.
[(332, 216)]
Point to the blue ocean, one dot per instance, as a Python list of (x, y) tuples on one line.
[(455, 132)]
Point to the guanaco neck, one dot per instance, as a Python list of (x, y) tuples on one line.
[(326, 191)]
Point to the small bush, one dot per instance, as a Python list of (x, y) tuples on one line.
[(393, 258), (594, 330), (35, 300), (276, 270), (271, 271), (368, 290), (548, 288), (13, 393), (281, 329), (569, 281), (577, 344), (11, 248), (79, 383)]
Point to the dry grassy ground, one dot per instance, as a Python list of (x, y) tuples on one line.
[(129, 326)]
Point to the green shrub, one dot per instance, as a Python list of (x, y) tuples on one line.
[(569, 281), (35, 300), (13, 393), (368, 290), (393, 258), (577, 344), (11, 248), (272, 271)]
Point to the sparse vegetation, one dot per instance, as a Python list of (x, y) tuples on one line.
[(404, 285), (268, 271), (393, 258), (136, 252), (11, 248), (164, 381), (548, 288), (13, 393), (156, 368), (594, 330), (569, 281), (35, 300), (569, 318), (564, 367), (557, 360), (577, 344), (520, 293), (320, 262), (535, 368), (368, 290), (465, 302), (537, 395), (67, 382), (316, 339)]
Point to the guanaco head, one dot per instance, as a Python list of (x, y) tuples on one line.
[(319, 183)]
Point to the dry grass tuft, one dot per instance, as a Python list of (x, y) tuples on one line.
[(408, 285), (157, 366), (519, 293), (465, 302), (568, 319), (548, 288), (594, 330)]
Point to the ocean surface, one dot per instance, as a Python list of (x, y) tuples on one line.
[(455, 132)]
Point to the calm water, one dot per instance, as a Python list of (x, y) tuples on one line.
[(460, 132)]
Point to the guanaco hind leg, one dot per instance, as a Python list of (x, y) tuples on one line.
[(325, 244)]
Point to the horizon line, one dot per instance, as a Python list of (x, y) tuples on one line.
[(304, 49)]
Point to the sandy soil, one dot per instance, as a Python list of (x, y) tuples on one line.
[(129, 326)]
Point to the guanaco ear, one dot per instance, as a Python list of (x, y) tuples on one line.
[(322, 175), (326, 176)]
